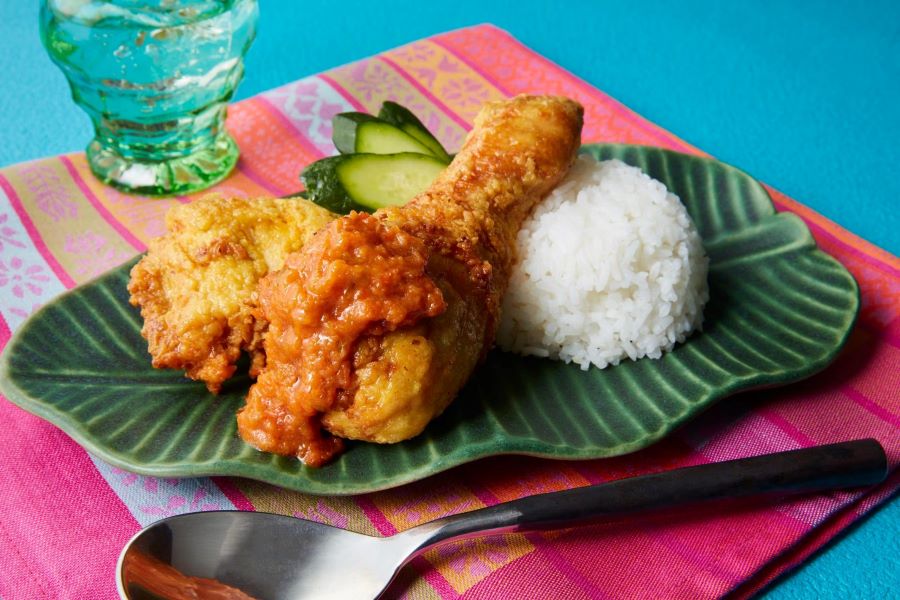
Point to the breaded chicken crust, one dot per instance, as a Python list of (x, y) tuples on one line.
[(195, 284)]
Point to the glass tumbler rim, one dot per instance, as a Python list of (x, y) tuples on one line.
[(152, 13)]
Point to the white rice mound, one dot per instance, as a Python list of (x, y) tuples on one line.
[(610, 266)]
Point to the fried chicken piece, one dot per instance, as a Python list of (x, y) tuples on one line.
[(195, 283), (377, 323)]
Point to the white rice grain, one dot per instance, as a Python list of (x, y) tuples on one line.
[(610, 267)]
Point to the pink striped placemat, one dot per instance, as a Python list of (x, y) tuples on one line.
[(65, 514)]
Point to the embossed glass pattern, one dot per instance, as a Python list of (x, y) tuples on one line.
[(154, 77)]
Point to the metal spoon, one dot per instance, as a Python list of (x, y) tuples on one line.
[(239, 555)]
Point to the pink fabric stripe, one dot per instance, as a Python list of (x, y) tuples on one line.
[(549, 553), (62, 525), (5, 332), (101, 210), (344, 93), (711, 564), (431, 97), (240, 501), (879, 411), (16, 562), (787, 427), (845, 246), (633, 117), (34, 234), (375, 516), (287, 124), (248, 172)]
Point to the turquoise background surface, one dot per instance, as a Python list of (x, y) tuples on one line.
[(803, 95)]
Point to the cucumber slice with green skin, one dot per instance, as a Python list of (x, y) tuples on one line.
[(402, 117), (322, 186), (378, 180), (355, 133), (368, 182)]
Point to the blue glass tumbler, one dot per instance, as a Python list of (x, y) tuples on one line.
[(154, 76)]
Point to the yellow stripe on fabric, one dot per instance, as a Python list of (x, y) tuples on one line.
[(465, 564), (421, 502), (81, 240), (446, 77), (414, 587), (340, 511), (144, 217)]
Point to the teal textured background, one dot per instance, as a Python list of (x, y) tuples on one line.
[(803, 95)]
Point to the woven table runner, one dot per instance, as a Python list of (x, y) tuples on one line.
[(66, 515)]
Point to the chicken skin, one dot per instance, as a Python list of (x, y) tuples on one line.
[(195, 283), (376, 324)]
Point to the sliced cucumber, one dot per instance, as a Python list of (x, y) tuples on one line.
[(402, 117), (322, 186), (362, 133), (368, 182), (378, 180)]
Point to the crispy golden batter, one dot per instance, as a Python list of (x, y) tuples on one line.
[(195, 283), (397, 375)]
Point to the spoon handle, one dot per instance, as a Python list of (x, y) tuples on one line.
[(847, 464)]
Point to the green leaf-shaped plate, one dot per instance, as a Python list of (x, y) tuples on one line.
[(779, 310)]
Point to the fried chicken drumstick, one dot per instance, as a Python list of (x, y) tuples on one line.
[(379, 320)]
